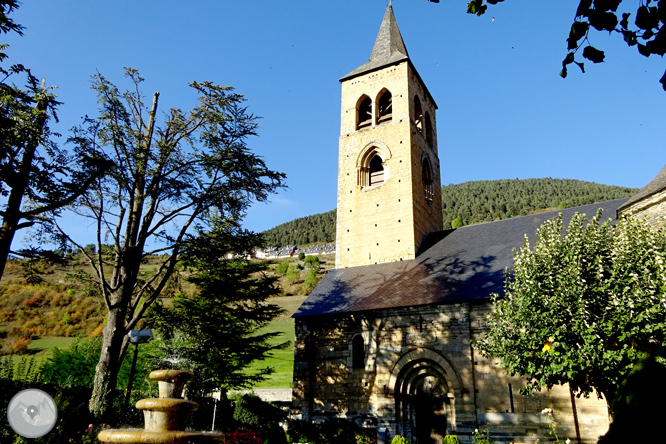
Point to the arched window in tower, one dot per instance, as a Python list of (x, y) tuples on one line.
[(418, 114), (385, 107), (358, 352), (428, 129), (376, 170), (426, 176), (364, 112)]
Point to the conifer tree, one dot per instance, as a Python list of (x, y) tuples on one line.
[(215, 331)]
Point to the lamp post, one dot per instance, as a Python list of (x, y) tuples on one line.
[(136, 337)]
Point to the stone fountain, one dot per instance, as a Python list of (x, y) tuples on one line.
[(165, 417)]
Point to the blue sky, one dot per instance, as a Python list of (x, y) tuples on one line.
[(503, 110)]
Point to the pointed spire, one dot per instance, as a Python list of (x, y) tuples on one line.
[(389, 41), (389, 47)]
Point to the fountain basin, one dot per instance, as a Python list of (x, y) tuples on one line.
[(139, 436), (166, 414), (170, 382), (165, 417)]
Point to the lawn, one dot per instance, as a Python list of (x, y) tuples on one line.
[(282, 361)]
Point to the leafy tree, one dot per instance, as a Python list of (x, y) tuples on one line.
[(215, 331), (583, 307), (312, 262), (36, 177), (165, 180), (282, 268), (311, 280), (457, 223), (301, 256), (646, 32)]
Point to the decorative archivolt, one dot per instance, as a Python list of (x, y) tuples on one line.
[(422, 361), (372, 164)]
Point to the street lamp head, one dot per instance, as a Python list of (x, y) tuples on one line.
[(140, 336)]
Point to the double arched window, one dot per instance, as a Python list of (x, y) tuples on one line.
[(384, 109)]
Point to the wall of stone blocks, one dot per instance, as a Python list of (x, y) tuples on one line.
[(652, 209), (480, 394)]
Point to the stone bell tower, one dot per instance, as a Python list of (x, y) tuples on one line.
[(389, 192)]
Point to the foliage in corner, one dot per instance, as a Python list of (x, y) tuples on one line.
[(582, 307), (644, 30), (37, 178)]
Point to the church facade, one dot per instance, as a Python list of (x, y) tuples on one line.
[(386, 339)]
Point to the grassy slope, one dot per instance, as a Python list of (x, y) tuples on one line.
[(282, 361)]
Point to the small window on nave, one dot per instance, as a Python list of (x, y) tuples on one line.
[(358, 352)]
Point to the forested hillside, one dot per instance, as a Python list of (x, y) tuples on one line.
[(318, 228), (488, 200), (469, 202)]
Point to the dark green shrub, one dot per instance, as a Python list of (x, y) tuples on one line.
[(254, 414), (301, 256), (333, 431)]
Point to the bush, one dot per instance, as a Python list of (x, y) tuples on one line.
[(397, 439), (20, 346), (242, 437), (282, 268), (451, 439), (293, 275), (301, 256), (333, 431), (312, 262), (310, 281), (254, 414)]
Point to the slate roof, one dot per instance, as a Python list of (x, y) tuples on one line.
[(656, 185), (465, 264), (389, 47)]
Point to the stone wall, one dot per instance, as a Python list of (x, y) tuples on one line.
[(652, 209), (411, 350)]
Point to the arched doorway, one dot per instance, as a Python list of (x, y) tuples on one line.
[(425, 410), (422, 402)]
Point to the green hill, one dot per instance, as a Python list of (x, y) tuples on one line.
[(488, 200), (472, 202)]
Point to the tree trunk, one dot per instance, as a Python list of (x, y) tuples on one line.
[(106, 372), (126, 269)]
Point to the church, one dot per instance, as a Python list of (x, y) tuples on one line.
[(385, 340)]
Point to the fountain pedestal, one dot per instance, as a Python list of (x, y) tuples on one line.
[(165, 417)]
